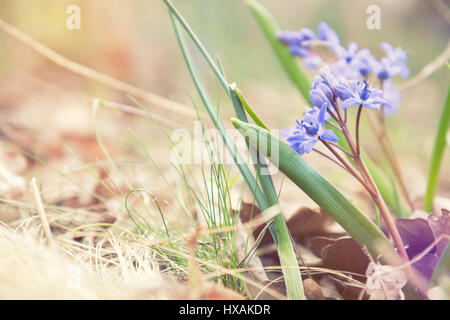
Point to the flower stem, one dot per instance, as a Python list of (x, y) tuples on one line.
[(358, 119), (388, 150), (347, 165), (384, 211)]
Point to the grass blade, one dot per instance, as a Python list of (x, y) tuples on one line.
[(362, 229), (247, 108), (286, 253), (438, 154), (270, 27)]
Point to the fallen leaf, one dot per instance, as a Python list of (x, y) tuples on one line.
[(440, 226), (385, 282), (312, 290)]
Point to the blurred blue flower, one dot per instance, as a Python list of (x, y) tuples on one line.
[(355, 93), (365, 62), (346, 54), (325, 33), (299, 42), (325, 81), (393, 63), (392, 98), (305, 135), (351, 63)]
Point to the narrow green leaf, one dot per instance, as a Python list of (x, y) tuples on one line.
[(270, 27), (286, 253), (438, 154), (320, 190), (247, 108)]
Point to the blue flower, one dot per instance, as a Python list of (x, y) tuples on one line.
[(393, 63), (355, 93), (392, 97), (299, 46), (346, 54), (365, 62), (325, 33), (305, 135), (352, 64), (300, 42), (325, 82)]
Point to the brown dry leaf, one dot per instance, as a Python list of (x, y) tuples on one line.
[(312, 290), (345, 254), (385, 282), (249, 212), (440, 226), (306, 221)]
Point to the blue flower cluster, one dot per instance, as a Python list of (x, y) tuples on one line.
[(329, 95), (300, 42), (308, 131), (351, 62)]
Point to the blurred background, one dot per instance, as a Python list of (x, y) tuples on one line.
[(45, 107)]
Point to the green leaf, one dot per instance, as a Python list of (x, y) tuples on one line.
[(319, 189), (270, 27), (438, 154), (247, 107)]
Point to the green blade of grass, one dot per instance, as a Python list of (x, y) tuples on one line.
[(270, 27), (247, 108), (362, 229), (438, 153), (286, 253)]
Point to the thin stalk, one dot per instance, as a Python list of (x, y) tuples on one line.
[(388, 150), (358, 119), (384, 211), (371, 186), (330, 158), (347, 166), (331, 124), (342, 149)]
